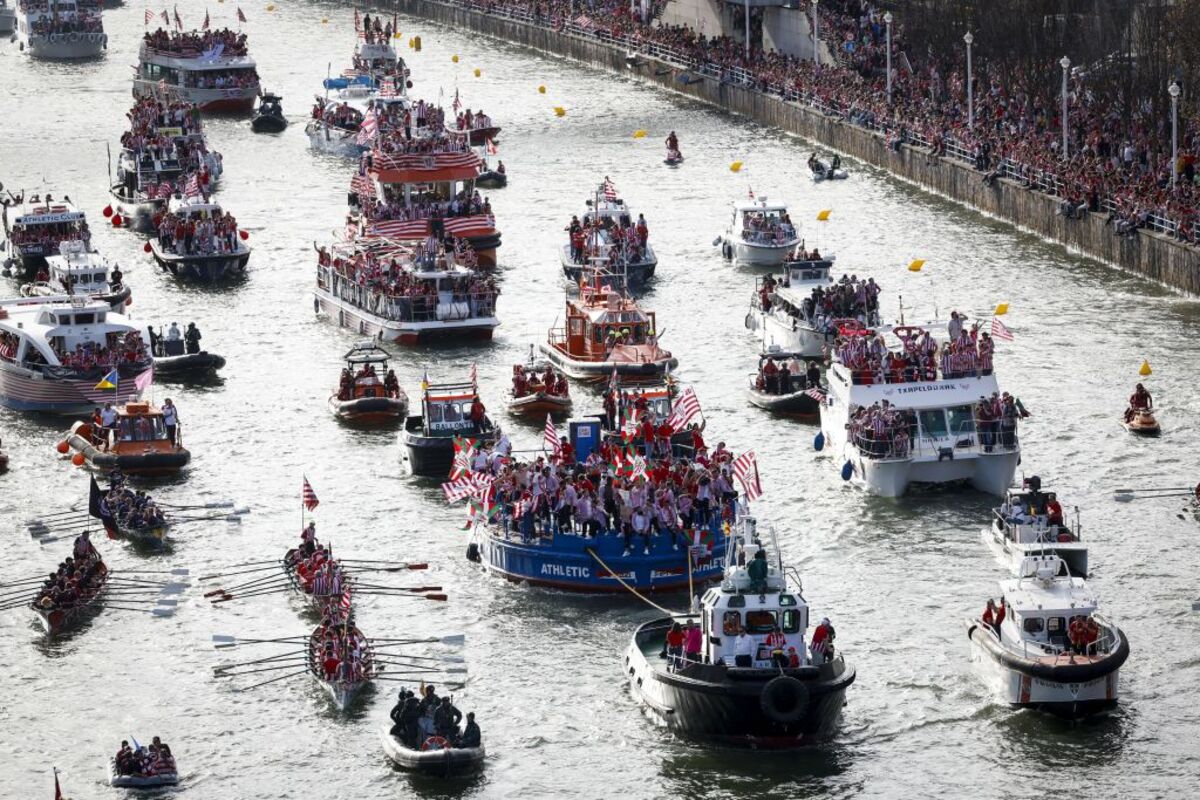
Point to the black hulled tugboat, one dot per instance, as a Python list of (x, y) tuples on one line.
[(452, 420), (268, 117), (755, 681)]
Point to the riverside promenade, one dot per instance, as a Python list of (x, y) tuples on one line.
[(1148, 253)]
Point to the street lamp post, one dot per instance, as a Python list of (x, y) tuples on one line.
[(887, 18), (1065, 63), (816, 34), (747, 34), (1173, 90), (969, 39)]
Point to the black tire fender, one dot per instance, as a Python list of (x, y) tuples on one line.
[(473, 552), (784, 699)]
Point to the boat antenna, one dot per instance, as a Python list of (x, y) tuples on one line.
[(901, 308)]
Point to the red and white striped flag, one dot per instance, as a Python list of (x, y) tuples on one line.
[(550, 437), (457, 104), (166, 18), (745, 469), (192, 188), (1000, 331), (387, 88), (610, 190), (684, 410), (474, 374), (357, 20), (815, 394), (308, 496), (345, 604), (149, 17), (369, 128), (490, 147), (178, 21), (458, 488), (241, 16), (204, 25)]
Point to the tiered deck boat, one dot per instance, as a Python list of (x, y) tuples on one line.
[(605, 221), (35, 230), (779, 696), (219, 79), (760, 234), (37, 333), (784, 313), (75, 271), (65, 31)]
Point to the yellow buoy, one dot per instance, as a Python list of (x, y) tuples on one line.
[(735, 166), (396, 35), (478, 72), (1001, 309), (454, 59), (324, 20), (559, 111), (823, 215), (1145, 369), (639, 134), (417, 43), (542, 89), (916, 265), (270, 6)]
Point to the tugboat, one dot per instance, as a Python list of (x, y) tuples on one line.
[(68, 356), (449, 412), (915, 420), (363, 396), (604, 332), (609, 232), (178, 357), (75, 271), (760, 234), (754, 682), (204, 262), (139, 443), (60, 30), (1030, 522), (37, 228), (1051, 649), (538, 390), (268, 117), (787, 385), (220, 79)]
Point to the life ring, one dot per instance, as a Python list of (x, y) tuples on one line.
[(72, 37), (784, 699), (440, 743), (473, 552)]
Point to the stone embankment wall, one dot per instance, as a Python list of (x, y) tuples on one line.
[(1149, 254)]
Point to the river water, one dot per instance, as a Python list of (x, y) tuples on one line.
[(897, 577)]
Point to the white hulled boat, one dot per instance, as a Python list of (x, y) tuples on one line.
[(801, 312), (915, 422), (8, 17), (75, 271), (36, 228), (609, 231), (221, 255), (54, 353), (334, 128), (420, 298), (760, 234), (212, 70), (60, 29), (1053, 650), (1031, 522)]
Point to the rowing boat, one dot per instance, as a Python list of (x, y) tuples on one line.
[(342, 692), (56, 620)]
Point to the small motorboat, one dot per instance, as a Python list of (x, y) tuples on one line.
[(145, 768), (138, 444), (140, 781), (268, 117), (1142, 423), (1030, 522), (435, 757), (432, 437), (491, 179), (538, 389), (365, 397), (178, 356), (798, 394), (819, 171)]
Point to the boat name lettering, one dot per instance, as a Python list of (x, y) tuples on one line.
[(925, 387), (566, 571), (666, 573)]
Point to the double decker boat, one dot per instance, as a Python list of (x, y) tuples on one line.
[(212, 70), (1051, 648), (415, 299), (760, 234), (75, 271), (199, 241), (604, 331), (59, 29), (917, 412), (754, 682), (451, 415), (609, 231), (58, 355), (801, 312), (35, 230)]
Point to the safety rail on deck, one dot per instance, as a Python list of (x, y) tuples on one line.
[(1031, 177), (970, 437), (404, 308), (1039, 526), (1103, 646)]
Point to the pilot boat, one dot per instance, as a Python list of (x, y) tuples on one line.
[(780, 695), (432, 438), (36, 228), (605, 332), (1052, 650), (607, 222), (57, 355), (139, 443), (1022, 526), (760, 234), (60, 29), (219, 258), (222, 78), (913, 424), (76, 271), (368, 392)]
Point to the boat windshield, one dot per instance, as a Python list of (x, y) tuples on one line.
[(141, 429)]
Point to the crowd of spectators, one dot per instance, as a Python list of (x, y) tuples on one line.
[(94, 357), (167, 135), (193, 43), (85, 19), (192, 234)]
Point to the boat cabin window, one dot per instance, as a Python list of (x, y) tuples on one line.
[(791, 621), (731, 623), (1056, 631), (448, 415), (962, 419), (933, 422), (85, 319), (1034, 625), (787, 600), (576, 326), (760, 622), (141, 429)]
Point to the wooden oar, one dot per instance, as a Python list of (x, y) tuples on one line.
[(273, 680), (448, 659), (227, 596), (1155, 489), (456, 639), (73, 511), (158, 612), (397, 565), (357, 585), (224, 640), (437, 597), (176, 571), (273, 565), (268, 581), (280, 657), (1125, 498)]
